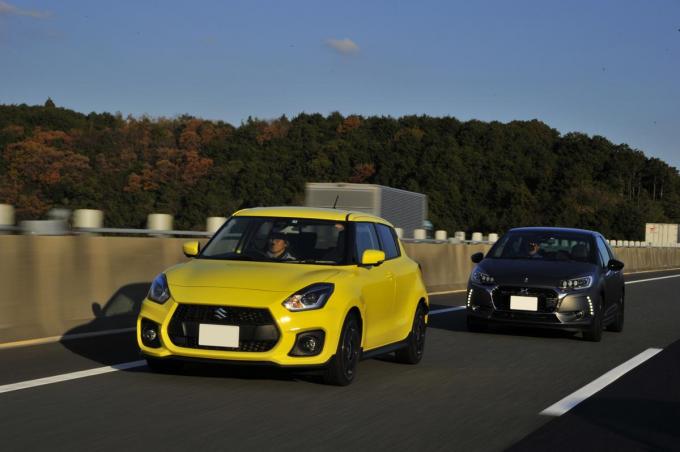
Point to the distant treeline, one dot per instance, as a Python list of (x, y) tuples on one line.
[(477, 176)]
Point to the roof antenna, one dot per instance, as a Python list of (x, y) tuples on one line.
[(336, 201)]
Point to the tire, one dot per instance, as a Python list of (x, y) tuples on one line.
[(617, 325), (594, 332), (475, 325), (342, 368), (163, 366), (413, 352)]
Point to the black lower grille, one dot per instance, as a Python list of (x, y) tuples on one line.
[(547, 298), (257, 329)]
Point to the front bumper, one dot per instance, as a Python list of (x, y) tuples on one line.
[(570, 311), (288, 325)]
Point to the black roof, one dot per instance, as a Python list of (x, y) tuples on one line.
[(553, 229)]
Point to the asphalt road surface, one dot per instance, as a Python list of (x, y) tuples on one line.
[(472, 391)]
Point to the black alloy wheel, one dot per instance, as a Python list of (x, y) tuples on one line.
[(342, 368), (617, 325), (413, 352), (594, 331)]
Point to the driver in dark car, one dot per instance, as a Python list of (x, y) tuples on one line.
[(533, 249)]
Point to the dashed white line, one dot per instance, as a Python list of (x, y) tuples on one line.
[(70, 376), (600, 383)]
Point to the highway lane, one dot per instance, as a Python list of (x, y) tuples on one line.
[(471, 392)]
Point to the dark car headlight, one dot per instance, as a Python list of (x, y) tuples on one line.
[(576, 283), (482, 278), (311, 297), (159, 290)]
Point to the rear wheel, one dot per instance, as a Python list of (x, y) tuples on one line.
[(475, 325), (594, 332), (413, 352), (342, 368), (617, 325), (163, 366)]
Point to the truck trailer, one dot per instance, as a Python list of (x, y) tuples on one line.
[(404, 209)]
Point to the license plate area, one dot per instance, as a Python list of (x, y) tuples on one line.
[(520, 303), (218, 335)]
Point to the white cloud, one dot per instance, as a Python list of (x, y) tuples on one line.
[(10, 10), (345, 46)]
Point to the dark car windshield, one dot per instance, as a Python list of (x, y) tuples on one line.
[(289, 240), (552, 245)]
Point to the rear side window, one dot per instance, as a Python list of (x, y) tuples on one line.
[(389, 244), (366, 239)]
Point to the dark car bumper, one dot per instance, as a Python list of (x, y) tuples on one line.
[(572, 311)]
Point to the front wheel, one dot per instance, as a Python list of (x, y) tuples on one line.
[(413, 352), (342, 368)]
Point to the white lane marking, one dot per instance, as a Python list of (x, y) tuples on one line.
[(70, 376), (66, 337), (443, 310), (600, 383), (652, 279)]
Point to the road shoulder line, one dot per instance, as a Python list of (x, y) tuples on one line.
[(598, 384)]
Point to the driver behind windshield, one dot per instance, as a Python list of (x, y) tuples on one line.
[(277, 247)]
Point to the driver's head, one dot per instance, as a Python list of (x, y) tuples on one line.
[(532, 247), (277, 243)]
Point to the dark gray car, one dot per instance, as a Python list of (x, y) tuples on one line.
[(549, 278)]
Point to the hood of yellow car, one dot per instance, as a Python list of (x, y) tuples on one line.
[(260, 276)]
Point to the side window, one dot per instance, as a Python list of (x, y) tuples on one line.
[(602, 249), (366, 239), (389, 245)]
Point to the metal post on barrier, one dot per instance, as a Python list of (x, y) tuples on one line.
[(159, 222), (476, 236), (440, 235), (460, 235), (6, 216), (88, 218), (212, 224), (493, 237), (419, 234)]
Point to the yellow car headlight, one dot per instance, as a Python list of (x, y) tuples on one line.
[(311, 297)]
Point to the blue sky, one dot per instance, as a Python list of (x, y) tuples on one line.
[(610, 68)]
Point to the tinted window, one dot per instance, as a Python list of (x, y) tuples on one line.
[(366, 239), (389, 245), (546, 245)]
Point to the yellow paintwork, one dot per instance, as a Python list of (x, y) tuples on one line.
[(372, 257), (386, 296)]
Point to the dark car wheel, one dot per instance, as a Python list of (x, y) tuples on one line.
[(594, 332), (413, 352), (475, 325), (163, 366), (342, 368), (617, 325)]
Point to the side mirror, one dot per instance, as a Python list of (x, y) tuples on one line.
[(477, 257), (97, 310), (373, 257), (191, 249), (615, 265)]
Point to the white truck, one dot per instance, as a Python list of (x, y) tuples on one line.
[(404, 209)]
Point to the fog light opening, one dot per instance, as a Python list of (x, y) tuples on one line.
[(150, 334), (309, 343)]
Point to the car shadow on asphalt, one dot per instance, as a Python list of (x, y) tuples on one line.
[(456, 321)]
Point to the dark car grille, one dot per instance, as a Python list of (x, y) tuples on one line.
[(547, 298), (257, 329)]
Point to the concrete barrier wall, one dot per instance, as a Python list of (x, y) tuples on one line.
[(48, 284)]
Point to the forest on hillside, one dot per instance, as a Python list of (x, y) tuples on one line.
[(481, 176)]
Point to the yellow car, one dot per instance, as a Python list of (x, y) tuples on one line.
[(289, 286)]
